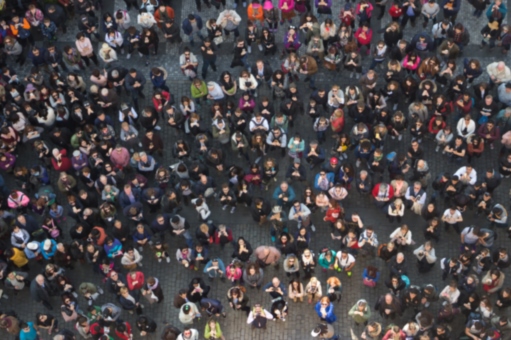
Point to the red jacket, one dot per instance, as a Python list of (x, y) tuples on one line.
[(432, 128), (136, 283), (125, 335), (367, 39), (158, 104), (229, 236), (395, 12), (332, 215), (376, 189)]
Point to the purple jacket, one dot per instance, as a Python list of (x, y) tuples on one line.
[(81, 162), (294, 44), (328, 3)]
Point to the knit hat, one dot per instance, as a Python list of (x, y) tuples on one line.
[(267, 5), (76, 153)]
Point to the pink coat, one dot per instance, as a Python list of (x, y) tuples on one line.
[(237, 273), (21, 201)]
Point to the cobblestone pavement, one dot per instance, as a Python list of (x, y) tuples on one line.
[(302, 317)]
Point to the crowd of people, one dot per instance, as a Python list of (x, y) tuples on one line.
[(96, 150)]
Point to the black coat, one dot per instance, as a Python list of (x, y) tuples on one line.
[(39, 293)]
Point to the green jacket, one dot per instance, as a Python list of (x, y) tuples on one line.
[(200, 92), (357, 317), (207, 332)]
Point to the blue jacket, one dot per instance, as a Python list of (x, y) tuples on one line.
[(329, 175), (290, 195), (330, 316), (39, 60), (214, 273), (124, 200), (157, 81), (275, 295), (138, 237), (112, 250), (187, 26), (212, 306), (48, 254)]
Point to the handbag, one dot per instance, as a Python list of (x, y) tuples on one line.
[(284, 69), (218, 40), (369, 283)]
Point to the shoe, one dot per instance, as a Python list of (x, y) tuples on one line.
[(358, 75), (437, 149), (100, 290), (128, 55), (140, 249), (249, 49), (273, 238), (339, 270), (313, 228), (349, 274), (224, 315), (140, 264), (142, 306), (157, 128), (90, 302), (400, 137), (260, 47), (351, 75), (159, 260), (224, 207), (167, 259), (140, 144), (357, 163), (244, 4), (233, 209)]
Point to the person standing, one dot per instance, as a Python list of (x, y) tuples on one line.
[(40, 291), (134, 83), (208, 50)]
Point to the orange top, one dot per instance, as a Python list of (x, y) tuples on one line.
[(14, 29), (255, 12)]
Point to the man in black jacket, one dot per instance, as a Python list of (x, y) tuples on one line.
[(262, 72), (40, 291)]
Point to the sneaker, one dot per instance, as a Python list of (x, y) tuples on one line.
[(349, 274), (358, 75), (339, 270), (357, 163), (313, 228), (283, 319), (393, 137), (159, 260), (140, 54), (437, 148), (244, 4), (400, 137), (128, 55), (260, 47), (157, 128), (233, 209), (249, 49), (224, 207), (90, 302), (140, 249), (167, 259), (140, 264), (100, 290), (352, 74), (140, 144), (142, 306)]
